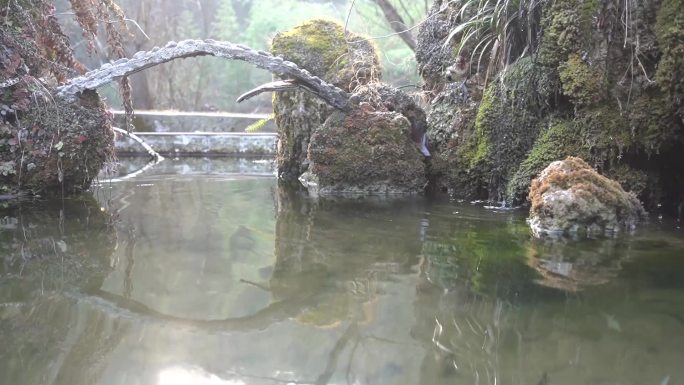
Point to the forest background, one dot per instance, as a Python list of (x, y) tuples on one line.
[(210, 84)]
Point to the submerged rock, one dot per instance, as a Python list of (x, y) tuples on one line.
[(365, 152), (322, 48), (569, 196)]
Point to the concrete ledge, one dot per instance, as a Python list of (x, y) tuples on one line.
[(226, 166), (200, 144)]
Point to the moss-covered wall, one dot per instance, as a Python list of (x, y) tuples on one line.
[(592, 87), (492, 138)]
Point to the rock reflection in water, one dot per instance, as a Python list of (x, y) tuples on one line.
[(47, 249), (320, 252), (64, 242), (238, 281), (560, 315)]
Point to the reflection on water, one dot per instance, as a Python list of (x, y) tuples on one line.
[(230, 280)]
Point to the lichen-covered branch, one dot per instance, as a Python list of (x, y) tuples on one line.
[(190, 48)]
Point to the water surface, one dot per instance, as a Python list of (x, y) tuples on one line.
[(180, 277)]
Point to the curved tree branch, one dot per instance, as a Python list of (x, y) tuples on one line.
[(110, 72)]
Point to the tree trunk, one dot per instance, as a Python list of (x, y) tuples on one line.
[(396, 22)]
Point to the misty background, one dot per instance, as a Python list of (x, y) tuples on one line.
[(212, 84)]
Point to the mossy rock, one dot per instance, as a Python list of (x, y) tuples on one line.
[(571, 197), (322, 48), (431, 55), (605, 131), (595, 87), (631, 179), (560, 140), (366, 152), (449, 125), (57, 145)]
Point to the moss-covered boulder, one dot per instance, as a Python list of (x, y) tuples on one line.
[(54, 145), (569, 197), (366, 152), (322, 48)]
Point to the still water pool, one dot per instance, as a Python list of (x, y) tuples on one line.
[(223, 278)]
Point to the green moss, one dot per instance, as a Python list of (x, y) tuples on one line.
[(567, 29), (605, 130), (484, 121), (530, 86), (504, 129), (321, 47), (322, 38), (670, 34), (560, 140), (582, 83), (655, 115), (651, 118)]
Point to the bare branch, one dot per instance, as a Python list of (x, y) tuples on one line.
[(277, 86), (136, 138), (396, 22)]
